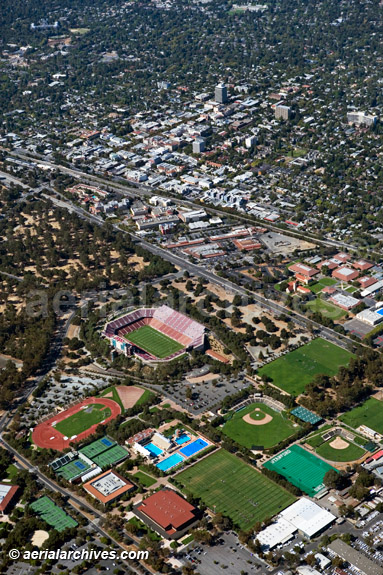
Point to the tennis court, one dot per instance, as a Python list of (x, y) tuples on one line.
[(52, 514), (73, 469), (97, 447), (111, 457), (301, 468)]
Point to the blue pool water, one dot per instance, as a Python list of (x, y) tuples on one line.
[(182, 439), (194, 447), (154, 450), (170, 462), (379, 311)]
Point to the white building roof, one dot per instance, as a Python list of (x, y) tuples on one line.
[(276, 533), (307, 517), (307, 570)]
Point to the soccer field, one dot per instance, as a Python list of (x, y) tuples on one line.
[(370, 414), (154, 342), (267, 435), (294, 371), (83, 419), (228, 485)]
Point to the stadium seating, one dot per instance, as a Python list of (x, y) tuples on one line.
[(165, 320)]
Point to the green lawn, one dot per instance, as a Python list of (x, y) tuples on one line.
[(154, 342), (144, 479), (326, 308), (228, 485), (370, 414), (350, 453), (320, 284), (12, 472), (83, 419), (115, 396), (258, 435), (294, 371), (146, 396)]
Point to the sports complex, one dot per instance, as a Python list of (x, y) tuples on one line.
[(368, 414), (295, 370), (155, 334), (227, 485), (301, 468), (258, 426), (75, 423)]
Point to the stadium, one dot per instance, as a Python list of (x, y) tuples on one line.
[(155, 334)]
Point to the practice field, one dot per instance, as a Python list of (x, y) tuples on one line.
[(154, 342), (228, 485), (83, 419), (294, 371), (301, 468), (370, 414), (347, 451), (326, 308), (266, 434)]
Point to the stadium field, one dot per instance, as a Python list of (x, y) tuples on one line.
[(301, 468), (350, 453), (154, 342), (228, 485), (266, 435), (370, 414), (294, 371), (83, 419)]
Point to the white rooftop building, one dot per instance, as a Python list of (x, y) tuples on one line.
[(304, 516)]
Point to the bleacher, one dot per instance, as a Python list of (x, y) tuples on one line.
[(165, 320)]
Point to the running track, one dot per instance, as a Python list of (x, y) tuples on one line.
[(46, 436)]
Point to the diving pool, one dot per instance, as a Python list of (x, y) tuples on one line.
[(182, 439), (170, 462), (194, 447), (154, 450)]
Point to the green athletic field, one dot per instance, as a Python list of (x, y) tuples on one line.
[(294, 371), (228, 485), (266, 435), (83, 419), (301, 468), (370, 414), (350, 453), (154, 342), (326, 308)]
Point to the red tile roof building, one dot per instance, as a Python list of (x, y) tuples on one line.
[(7, 494), (167, 512), (345, 274)]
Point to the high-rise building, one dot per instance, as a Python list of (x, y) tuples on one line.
[(220, 94), (282, 112), (198, 145)]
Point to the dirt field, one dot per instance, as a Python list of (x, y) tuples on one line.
[(129, 395)]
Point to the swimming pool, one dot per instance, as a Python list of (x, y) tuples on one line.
[(154, 450), (182, 439), (170, 462), (194, 447), (380, 311)]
